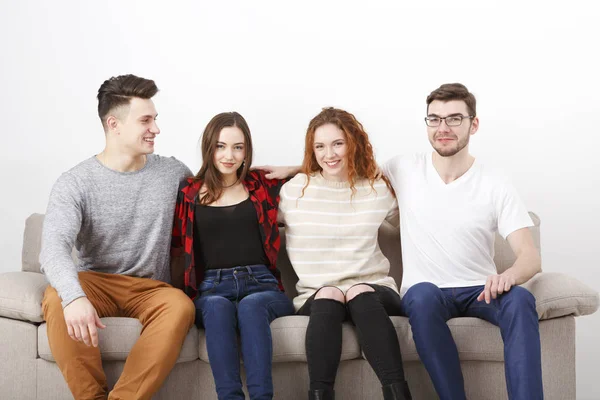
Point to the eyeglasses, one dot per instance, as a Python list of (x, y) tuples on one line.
[(452, 120)]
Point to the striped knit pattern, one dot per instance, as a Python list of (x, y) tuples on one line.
[(331, 236)]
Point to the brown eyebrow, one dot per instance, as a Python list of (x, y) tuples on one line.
[(335, 141), (148, 116), (235, 144), (449, 115)]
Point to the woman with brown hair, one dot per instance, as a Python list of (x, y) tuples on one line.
[(332, 212), (226, 226)]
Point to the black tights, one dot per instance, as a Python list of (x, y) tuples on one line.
[(376, 334), (324, 342)]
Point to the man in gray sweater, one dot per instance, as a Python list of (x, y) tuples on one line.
[(116, 209)]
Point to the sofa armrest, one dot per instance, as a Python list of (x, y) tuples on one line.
[(558, 295), (21, 295)]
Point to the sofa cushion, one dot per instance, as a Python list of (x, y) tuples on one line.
[(557, 295), (475, 339), (288, 335), (479, 340), (21, 295), (117, 339)]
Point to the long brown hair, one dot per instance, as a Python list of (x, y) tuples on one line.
[(211, 177), (359, 158)]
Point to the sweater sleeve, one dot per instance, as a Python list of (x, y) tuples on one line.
[(61, 227)]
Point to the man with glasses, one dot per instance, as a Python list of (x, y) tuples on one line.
[(451, 206)]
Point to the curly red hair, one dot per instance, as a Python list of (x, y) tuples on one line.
[(360, 157)]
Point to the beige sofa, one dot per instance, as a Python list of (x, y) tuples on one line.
[(28, 370)]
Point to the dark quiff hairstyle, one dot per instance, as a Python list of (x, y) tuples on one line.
[(454, 91), (119, 90), (213, 178)]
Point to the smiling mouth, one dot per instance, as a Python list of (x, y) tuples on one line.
[(149, 140), (332, 163)]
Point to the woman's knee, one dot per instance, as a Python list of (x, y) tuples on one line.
[(330, 292), (356, 290), (215, 312), (265, 303)]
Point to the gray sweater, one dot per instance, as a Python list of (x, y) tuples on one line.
[(119, 222)]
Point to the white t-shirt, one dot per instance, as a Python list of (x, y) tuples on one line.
[(448, 230)]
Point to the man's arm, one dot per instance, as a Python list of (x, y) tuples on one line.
[(527, 264), (282, 172), (279, 172), (61, 226)]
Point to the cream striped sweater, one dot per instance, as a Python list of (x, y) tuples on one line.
[(331, 237)]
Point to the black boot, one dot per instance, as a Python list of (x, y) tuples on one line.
[(396, 391), (321, 394)]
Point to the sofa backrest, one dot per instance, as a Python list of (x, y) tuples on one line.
[(32, 243), (389, 242)]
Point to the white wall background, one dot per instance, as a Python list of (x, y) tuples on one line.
[(532, 65)]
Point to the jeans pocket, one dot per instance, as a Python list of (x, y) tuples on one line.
[(265, 280), (207, 286)]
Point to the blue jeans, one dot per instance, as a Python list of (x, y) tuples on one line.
[(245, 299), (429, 307)]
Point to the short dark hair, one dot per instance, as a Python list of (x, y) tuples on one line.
[(454, 91), (119, 90)]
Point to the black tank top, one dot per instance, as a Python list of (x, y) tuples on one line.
[(229, 236)]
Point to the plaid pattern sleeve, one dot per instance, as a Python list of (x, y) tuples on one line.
[(264, 194), (178, 225), (183, 232)]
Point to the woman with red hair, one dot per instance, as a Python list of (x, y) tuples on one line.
[(332, 212)]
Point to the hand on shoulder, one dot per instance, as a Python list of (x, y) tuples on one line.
[(277, 172)]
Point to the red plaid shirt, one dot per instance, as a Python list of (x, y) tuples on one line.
[(264, 194)]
